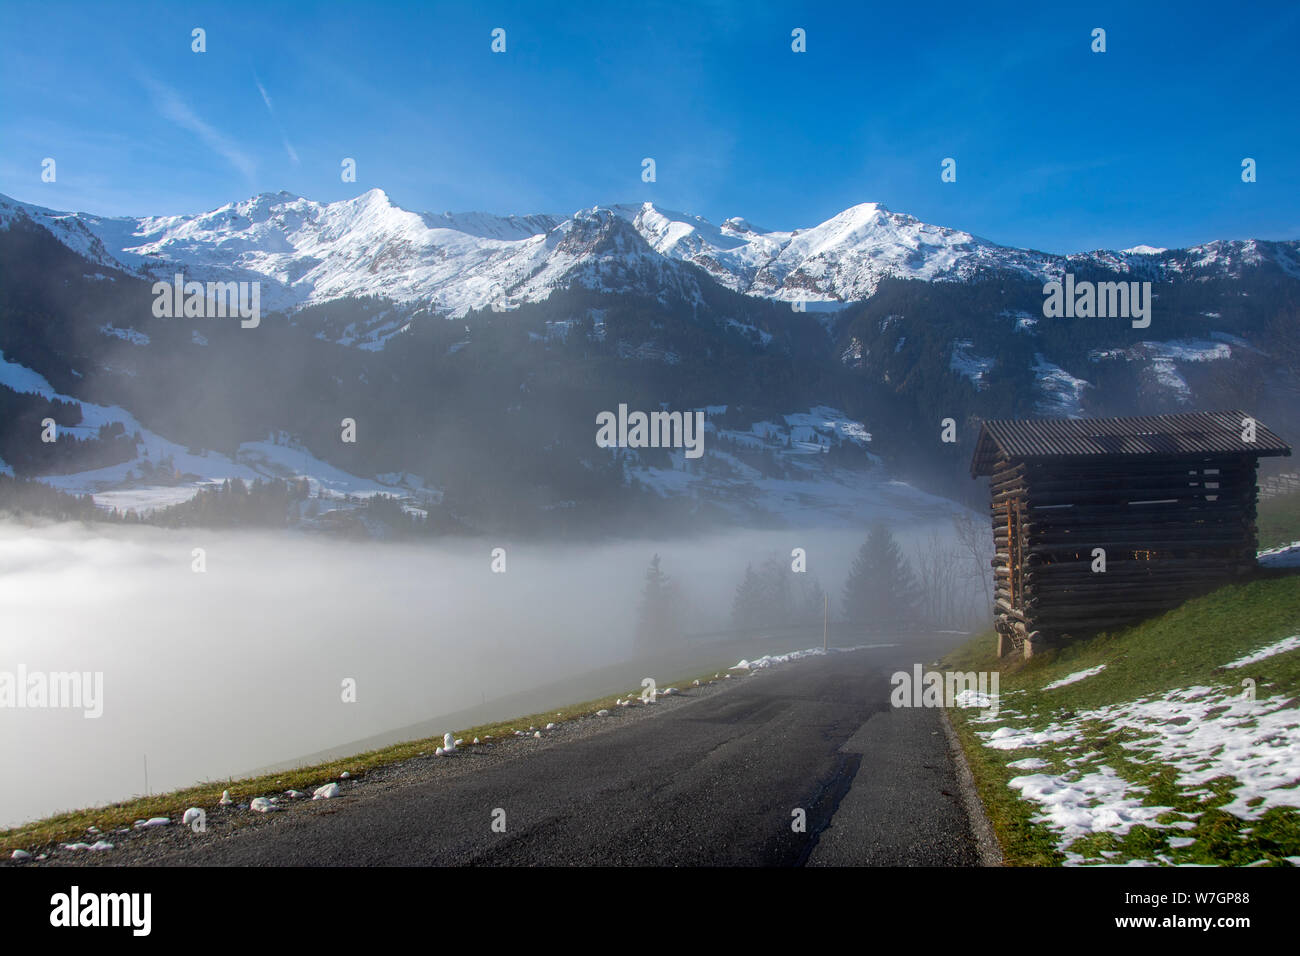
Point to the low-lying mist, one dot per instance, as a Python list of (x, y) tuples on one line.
[(213, 674)]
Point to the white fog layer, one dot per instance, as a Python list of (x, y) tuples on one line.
[(215, 674)]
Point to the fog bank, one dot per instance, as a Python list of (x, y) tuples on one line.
[(213, 674)]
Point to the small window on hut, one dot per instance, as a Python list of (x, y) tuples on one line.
[(1210, 482)]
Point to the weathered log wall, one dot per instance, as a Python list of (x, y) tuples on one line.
[(1170, 528)]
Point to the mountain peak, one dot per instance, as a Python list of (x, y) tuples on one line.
[(371, 197), (867, 212), (741, 224)]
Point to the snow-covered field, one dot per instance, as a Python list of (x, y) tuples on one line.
[(124, 485), (970, 366), (1060, 393), (1163, 358)]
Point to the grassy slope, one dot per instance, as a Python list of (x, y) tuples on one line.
[(1278, 520), (1183, 648)]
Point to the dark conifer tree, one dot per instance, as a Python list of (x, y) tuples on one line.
[(881, 591)]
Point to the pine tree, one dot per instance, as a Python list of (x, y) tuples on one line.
[(747, 609), (881, 592), (658, 617)]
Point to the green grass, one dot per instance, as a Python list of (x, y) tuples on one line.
[(1278, 520), (72, 825), (1184, 648)]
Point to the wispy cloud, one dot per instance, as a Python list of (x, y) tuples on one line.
[(270, 108), (172, 107), (266, 97)]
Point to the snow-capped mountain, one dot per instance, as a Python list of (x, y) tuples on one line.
[(621, 303), (840, 260), (306, 252)]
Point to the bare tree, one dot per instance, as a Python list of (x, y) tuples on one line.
[(949, 597), (977, 544)]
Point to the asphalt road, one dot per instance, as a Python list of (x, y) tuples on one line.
[(710, 781)]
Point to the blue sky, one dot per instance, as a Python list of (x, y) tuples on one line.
[(1057, 148)]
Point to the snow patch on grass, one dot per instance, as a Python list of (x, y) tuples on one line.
[(1281, 647), (1029, 763), (1009, 738), (1075, 677), (1100, 801), (1202, 734)]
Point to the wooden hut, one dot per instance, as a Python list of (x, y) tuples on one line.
[(1100, 522)]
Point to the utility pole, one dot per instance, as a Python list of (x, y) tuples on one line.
[(826, 617)]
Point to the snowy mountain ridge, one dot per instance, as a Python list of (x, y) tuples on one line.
[(307, 252)]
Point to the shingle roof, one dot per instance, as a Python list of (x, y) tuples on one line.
[(1192, 433)]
